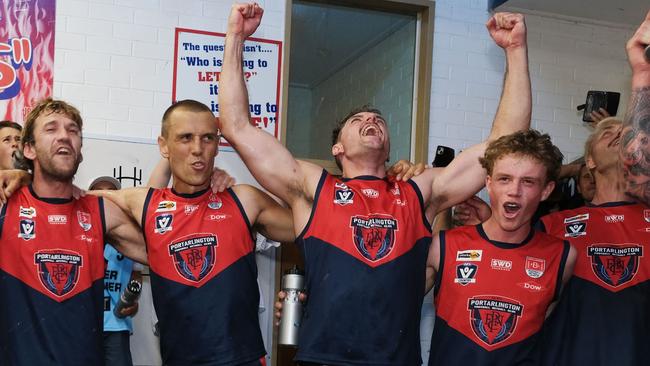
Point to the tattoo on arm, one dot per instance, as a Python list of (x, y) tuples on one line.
[(635, 145)]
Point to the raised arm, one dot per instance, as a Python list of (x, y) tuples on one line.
[(635, 141), (266, 215), (269, 162), (464, 176)]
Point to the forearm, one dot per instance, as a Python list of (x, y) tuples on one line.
[(233, 97), (514, 111), (635, 146)]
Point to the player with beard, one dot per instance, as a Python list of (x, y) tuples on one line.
[(365, 238), (51, 250), (496, 282)]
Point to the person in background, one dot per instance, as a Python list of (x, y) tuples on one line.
[(9, 142), (119, 272)]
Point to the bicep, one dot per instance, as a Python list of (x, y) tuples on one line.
[(274, 221), (124, 233)]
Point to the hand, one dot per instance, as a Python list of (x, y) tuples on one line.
[(404, 170), (635, 48), (278, 304), (129, 310), (77, 192), (508, 30), (10, 181), (244, 19), (221, 180), (472, 212), (597, 116)]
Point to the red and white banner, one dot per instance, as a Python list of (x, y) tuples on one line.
[(26, 55)]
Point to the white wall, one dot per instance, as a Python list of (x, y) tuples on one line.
[(114, 61)]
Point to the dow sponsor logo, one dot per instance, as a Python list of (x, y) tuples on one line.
[(613, 264), (374, 235), (493, 318)]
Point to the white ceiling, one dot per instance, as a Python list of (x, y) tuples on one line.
[(629, 13)]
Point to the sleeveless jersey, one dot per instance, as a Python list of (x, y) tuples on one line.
[(365, 248), (116, 278), (203, 278), (491, 297), (51, 280), (604, 317)]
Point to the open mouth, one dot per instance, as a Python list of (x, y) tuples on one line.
[(198, 165), (370, 130), (64, 150), (511, 208)]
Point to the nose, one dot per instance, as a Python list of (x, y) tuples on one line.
[(514, 189), (197, 146)]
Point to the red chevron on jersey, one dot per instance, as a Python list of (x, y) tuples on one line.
[(190, 240), (615, 264), (58, 270), (609, 242), (493, 318), (194, 255), (54, 246)]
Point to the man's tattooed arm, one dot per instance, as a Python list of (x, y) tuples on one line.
[(635, 136)]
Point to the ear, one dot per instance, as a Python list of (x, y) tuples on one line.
[(590, 163), (162, 146), (550, 186), (488, 181), (337, 149), (29, 151)]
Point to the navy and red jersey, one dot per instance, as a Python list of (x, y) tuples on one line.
[(51, 280), (203, 277), (603, 317), (365, 248), (491, 297)]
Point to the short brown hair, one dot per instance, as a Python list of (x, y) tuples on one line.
[(336, 132), (45, 107), (10, 124), (598, 130), (530, 143), (188, 105)]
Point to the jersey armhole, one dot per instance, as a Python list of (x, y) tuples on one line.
[(423, 215), (145, 208), (102, 216), (560, 274), (321, 183), (441, 266), (539, 225), (3, 213), (242, 213)]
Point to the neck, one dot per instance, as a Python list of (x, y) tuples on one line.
[(609, 186), (47, 187), (182, 187), (357, 168), (495, 232)]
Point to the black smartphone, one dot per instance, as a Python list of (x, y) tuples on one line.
[(597, 99)]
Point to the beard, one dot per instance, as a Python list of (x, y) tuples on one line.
[(61, 172)]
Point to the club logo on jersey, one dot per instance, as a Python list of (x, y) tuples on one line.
[(166, 206), (612, 219), (84, 220), (343, 197), (28, 212), (535, 267), (374, 236), (58, 270), (615, 264), (163, 223), (26, 229), (575, 229), (57, 219), (466, 273), (215, 202), (189, 209), (500, 264), (194, 255), (370, 193), (572, 219), (646, 215), (472, 255), (395, 190), (493, 318)]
